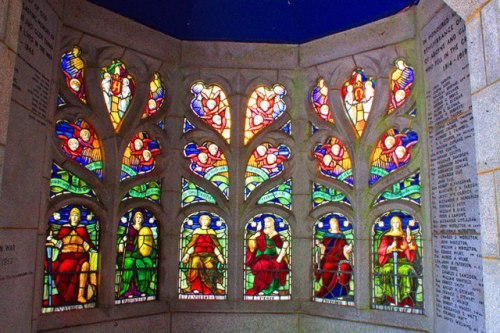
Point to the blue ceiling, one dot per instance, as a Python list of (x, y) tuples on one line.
[(271, 21)]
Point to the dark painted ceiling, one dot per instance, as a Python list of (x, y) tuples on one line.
[(272, 21)]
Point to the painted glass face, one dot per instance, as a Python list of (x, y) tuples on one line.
[(401, 83), (203, 257), (71, 260), (156, 97), (333, 160), (319, 100), (140, 156), (73, 68)]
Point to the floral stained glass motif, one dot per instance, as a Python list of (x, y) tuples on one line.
[(333, 260), (65, 182), (60, 101), (192, 193), (187, 126), (266, 162), (208, 161), (401, 84), (73, 68), (334, 161), (156, 96), (136, 257), (397, 263), (358, 94), (211, 104), (322, 194), (71, 260), (392, 152), (118, 89), (267, 258), (319, 99), (264, 106), (140, 156), (203, 257), (407, 189), (280, 195), (150, 191), (287, 128), (80, 143)]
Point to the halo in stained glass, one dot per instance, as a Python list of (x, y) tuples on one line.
[(203, 257), (64, 182), (139, 156), (266, 162), (322, 194), (392, 152), (264, 106), (280, 195), (208, 161), (80, 143), (319, 100), (150, 191), (156, 96), (118, 89), (210, 103), (407, 189), (71, 260), (397, 273), (333, 260), (402, 78), (267, 258), (358, 94), (334, 161), (192, 193), (73, 68)]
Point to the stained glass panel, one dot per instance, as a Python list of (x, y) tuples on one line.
[(192, 193), (334, 161), (80, 143), (73, 68), (187, 126), (60, 101), (267, 258), (150, 191), (264, 106), (397, 263), (358, 94), (266, 162), (413, 112), (319, 99), (392, 152), (65, 182), (407, 189), (401, 83), (136, 257), (140, 156), (211, 104), (208, 161), (156, 96), (322, 194), (71, 260), (314, 129), (333, 260), (280, 195), (203, 257), (118, 89), (287, 128)]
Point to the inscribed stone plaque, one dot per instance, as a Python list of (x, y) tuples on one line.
[(33, 70), (454, 184)]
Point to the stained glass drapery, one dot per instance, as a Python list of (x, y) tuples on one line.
[(73, 68), (139, 156), (334, 161), (319, 100), (156, 96), (401, 83)]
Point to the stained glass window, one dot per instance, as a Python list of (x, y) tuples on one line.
[(319, 99), (150, 191), (393, 151), (287, 128), (203, 257), (140, 156), (358, 94), (80, 143), (322, 194), (401, 83), (211, 104), (397, 263), (156, 96), (60, 101), (136, 257), (267, 258), (280, 195), (208, 161), (65, 182), (192, 193), (333, 260), (265, 105), (73, 68), (407, 189), (118, 89), (334, 161), (71, 260), (187, 126), (265, 163), (314, 129)]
